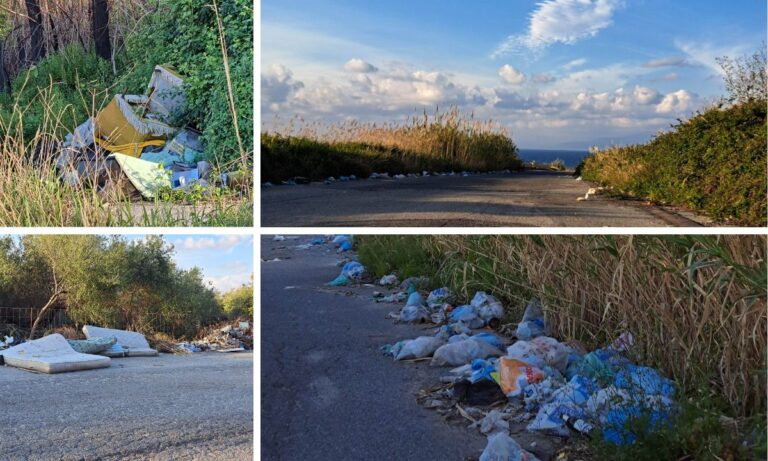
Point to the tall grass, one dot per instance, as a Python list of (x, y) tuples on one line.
[(696, 305), (439, 140)]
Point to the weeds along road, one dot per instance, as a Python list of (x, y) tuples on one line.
[(194, 407), (326, 390), (531, 198)]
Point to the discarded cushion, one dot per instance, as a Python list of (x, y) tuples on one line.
[(146, 177), (51, 354), (92, 346), (120, 124), (134, 344)]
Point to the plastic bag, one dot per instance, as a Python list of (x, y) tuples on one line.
[(494, 422), (502, 447), (462, 352), (484, 369), (388, 280), (413, 313), (532, 324), (487, 307), (353, 270), (542, 352), (515, 375), (437, 297), (490, 338), (415, 299), (423, 346)]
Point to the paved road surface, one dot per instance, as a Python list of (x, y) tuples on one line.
[(533, 198), (326, 390), (196, 407)]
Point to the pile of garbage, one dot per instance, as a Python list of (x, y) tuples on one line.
[(229, 336), (296, 180), (558, 388), (131, 145)]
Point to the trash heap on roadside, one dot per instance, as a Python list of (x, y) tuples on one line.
[(132, 145), (229, 336), (558, 388)]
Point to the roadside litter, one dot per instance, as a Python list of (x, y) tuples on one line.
[(93, 346), (131, 145), (132, 343), (51, 354), (352, 271), (342, 242), (565, 390)]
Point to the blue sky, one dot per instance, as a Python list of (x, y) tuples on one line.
[(557, 73), (226, 260)]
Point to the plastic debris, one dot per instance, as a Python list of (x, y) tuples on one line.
[(532, 324), (423, 346), (388, 280), (351, 271), (487, 307), (437, 297), (462, 352), (515, 375), (494, 422), (502, 447), (541, 352)]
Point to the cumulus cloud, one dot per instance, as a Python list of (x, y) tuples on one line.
[(360, 66), (677, 102), (562, 21), (277, 85), (223, 243), (645, 96), (678, 61), (511, 75)]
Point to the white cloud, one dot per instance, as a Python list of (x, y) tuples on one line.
[(677, 61), (360, 66), (677, 102), (562, 21), (228, 282), (645, 96), (511, 75), (277, 85), (223, 243), (706, 54), (575, 63)]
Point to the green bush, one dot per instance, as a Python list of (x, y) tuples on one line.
[(715, 162), (238, 302)]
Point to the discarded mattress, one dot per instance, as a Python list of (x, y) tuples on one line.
[(134, 344), (147, 177), (92, 346), (51, 354)]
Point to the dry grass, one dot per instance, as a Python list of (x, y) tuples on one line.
[(450, 136)]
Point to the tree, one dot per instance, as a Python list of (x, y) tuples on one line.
[(238, 302), (746, 77), (35, 18), (100, 27)]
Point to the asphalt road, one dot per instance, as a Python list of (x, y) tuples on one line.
[(326, 390), (194, 407), (531, 198)]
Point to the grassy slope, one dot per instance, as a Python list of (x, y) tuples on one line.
[(714, 162)]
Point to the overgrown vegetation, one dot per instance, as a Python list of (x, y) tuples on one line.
[(111, 282), (715, 162), (210, 43), (696, 306), (443, 141)]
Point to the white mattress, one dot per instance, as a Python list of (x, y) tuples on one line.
[(51, 354)]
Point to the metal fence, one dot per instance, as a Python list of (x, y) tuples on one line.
[(21, 318)]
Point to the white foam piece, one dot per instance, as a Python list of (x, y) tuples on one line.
[(134, 344), (51, 354)]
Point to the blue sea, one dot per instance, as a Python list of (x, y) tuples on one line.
[(570, 157)]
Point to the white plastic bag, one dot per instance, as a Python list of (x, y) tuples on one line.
[(462, 352), (502, 447), (423, 346)]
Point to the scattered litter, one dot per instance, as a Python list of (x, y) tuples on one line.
[(351, 271), (515, 375), (423, 346), (480, 393), (388, 280), (462, 352), (502, 447), (532, 324)]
